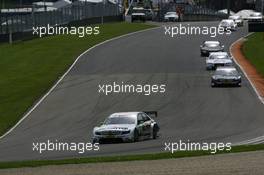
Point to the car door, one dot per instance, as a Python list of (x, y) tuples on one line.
[(140, 124), (147, 124)]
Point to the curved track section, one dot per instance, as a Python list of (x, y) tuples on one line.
[(189, 110)]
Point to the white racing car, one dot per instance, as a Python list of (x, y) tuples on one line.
[(228, 25), (217, 59), (127, 126), (237, 19), (255, 17), (171, 16)]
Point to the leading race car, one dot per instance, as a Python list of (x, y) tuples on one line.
[(171, 16), (211, 46), (226, 76), (228, 25), (127, 126), (138, 14), (237, 19), (255, 17), (217, 59)]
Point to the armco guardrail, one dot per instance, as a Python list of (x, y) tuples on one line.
[(256, 27), (19, 23)]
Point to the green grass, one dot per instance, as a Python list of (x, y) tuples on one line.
[(157, 156), (28, 69), (253, 49)]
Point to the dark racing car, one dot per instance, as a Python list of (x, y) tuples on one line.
[(226, 76), (211, 46)]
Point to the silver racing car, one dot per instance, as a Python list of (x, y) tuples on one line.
[(217, 59), (127, 126), (211, 46)]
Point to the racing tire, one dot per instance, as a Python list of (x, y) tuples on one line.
[(155, 132), (136, 136), (213, 85), (95, 141)]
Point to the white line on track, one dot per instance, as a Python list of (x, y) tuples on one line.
[(62, 77)]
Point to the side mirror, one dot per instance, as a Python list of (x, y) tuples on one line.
[(101, 123), (201, 46)]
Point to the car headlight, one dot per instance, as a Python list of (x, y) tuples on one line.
[(238, 78), (214, 78), (125, 132), (97, 133)]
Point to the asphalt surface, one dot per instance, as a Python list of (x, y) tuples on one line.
[(189, 109)]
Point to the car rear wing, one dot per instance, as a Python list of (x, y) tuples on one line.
[(151, 113)]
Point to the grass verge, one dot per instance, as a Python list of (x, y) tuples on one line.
[(254, 52), (157, 156), (28, 69)]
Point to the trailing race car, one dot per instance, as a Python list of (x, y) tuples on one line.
[(217, 59), (211, 46), (226, 76), (171, 16), (127, 126)]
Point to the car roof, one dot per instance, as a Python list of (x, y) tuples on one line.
[(138, 8), (226, 68), (212, 42), (129, 114), (218, 53), (227, 20), (235, 16)]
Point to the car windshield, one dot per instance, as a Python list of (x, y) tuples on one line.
[(119, 119), (234, 17), (225, 23), (219, 57), (139, 11), (256, 15), (232, 72), (171, 13), (211, 44)]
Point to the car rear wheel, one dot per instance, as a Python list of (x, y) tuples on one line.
[(154, 132), (136, 136), (95, 141), (212, 84)]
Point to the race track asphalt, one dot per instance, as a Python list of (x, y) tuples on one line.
[(189, 109)]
